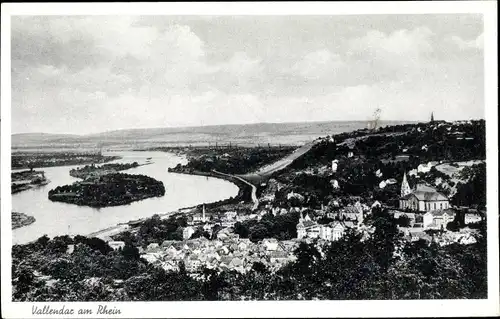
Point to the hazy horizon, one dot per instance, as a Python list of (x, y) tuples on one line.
[(219, 125), (94, 74)]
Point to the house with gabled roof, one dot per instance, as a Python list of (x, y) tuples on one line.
[(472, 218), (438, 219), (307, 228), (423, 198), (271, 244)]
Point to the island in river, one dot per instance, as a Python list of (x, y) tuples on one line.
[(21, 219), (27, 179), (92, 171), (108, 190), (49, 159)]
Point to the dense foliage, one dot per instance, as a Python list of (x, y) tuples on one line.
[(422, 142), (281, 227), (473, 192), (109, 190), (234, 161), (88, 170), (391, 151), (155, 230), (38, 159)]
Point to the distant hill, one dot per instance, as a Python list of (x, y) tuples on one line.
[(245, 134), (36, 138)]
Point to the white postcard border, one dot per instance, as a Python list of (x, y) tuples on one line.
[(413, 308)]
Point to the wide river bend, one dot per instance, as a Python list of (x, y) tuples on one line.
[(55, 218)]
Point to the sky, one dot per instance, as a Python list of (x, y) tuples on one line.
[(89, 74)]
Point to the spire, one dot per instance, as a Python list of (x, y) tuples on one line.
[(405, 187), (432, 117)]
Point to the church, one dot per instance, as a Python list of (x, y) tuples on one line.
[(422, 198)]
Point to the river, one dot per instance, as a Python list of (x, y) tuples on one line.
[(56, 218)]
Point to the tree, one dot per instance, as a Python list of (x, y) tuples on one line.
[(57, 246), (241, 229), (42, 241), (200, 232), (259, 267), (307, 255), (452, 226), (385, 237), (130, 252), (403, 221)]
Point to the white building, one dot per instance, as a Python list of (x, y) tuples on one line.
[(295, 195), (422, 198), (438, 219), (472, 218), (332, 232), (334, 165), (424, 168), (376, 204), (197, 218), (187, 232), (335, 183), (116, 245), (313, 230)]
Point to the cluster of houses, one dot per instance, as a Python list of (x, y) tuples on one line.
[(427, 209), (463, 236), (227, 252), (351, 216), (424, 208)]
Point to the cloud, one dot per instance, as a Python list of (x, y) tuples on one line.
[(241, 73), (318, 64), (476, 43), (110, 72), (407, 44)]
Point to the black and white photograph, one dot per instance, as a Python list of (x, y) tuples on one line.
[(247, 154)]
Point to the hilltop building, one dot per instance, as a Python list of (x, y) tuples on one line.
[(421, 198)]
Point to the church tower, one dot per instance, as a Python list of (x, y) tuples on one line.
[(432, 117), (405, 187)]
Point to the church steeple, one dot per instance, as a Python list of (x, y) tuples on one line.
[(432, 117), (405, 187)]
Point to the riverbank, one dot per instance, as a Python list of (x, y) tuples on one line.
[(92, 171), (21, 220), (24, 160), (112, 189), (244, 189), (245, 194), (28, 179)]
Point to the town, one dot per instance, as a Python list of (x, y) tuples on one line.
[(371, 198), (422, 212)]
